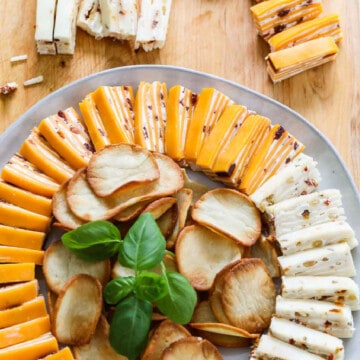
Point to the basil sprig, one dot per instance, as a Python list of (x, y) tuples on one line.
[(142, 249)]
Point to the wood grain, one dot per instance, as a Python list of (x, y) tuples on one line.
[(217, 37)]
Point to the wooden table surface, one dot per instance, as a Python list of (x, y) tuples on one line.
[(217, 37)]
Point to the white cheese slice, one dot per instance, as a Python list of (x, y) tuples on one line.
[(89, 18)]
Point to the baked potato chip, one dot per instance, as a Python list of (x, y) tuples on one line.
[(132, 212), (160, 206), (167, 221)]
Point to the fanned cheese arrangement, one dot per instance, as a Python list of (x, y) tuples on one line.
[(300, 38), (143, 22), (126, 153)]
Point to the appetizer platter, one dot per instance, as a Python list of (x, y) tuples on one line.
[(334, 174)]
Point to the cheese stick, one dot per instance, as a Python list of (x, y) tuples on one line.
[(11, 273), (328, 260), (22, 238), (12, 296), (10, 254), (299, 177), (63, 354), (336, 289), (314, 341), (319, 315), (89, 18), (152, 24), (286, 63)]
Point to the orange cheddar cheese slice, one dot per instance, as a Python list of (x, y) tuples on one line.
[(63, 354), (38, 151), (9, 254), (31, 349), (11, 236), (14, 295), (180, 107), (25, 331), (227, 126), (210, 106), (66, 135), (115, 105), (12, 215), (20, 172), (150, 115), (278, 149), (11, 273), (328, 25), (93, 121), (27, 311)]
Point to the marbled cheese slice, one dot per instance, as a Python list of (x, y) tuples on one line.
[(89, 18)]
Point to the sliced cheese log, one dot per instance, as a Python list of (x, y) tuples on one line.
[(45, 20), (150, 115), (14, 295), (89, 18), (299, 177), (307, 210), (211, 104), (328, 25), (10, 254), (337, 289), (27, 311), (31, 349), (22, 238), (66, 134), (289, 62), (319, 315), (316, 236), (328, 260), (153, 23), (20, 172), (63, 354), (24, 331), (25, 199), (11, 273), (278, 148), (180, 107)]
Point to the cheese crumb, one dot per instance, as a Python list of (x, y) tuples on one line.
[(33, 81), (18, 58), (8, 88)]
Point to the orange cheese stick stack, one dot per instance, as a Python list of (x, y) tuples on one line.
[(150, 115), (210, 106), (328, 25), (285, 63), (63, 354), (278, 149), (273, 16), (66, 134), (14, 273), (180, 107), (22, 238), (115, 105)]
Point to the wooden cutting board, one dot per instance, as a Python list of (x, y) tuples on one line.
[(217, 37)]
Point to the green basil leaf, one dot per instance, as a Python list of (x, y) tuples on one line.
[(93, 241), (178, 305), (130, 326), (117, 289), (144, 245), (150, 286)]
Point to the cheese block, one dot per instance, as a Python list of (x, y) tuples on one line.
[(63, 354), (31, 349), (224, 130), (45, 20), (278, 148), (38, 151), (119, 18), (14, 295), (65, 133), (328, 260), (328, 25), (336, 289), (153, 23), (324, 316), (11, 273), (22, 238), (274, 16), (65, 26), (27, 311), (25, 199), (116, 109), (93, 121), (10, 254), (314, 341), (210, 106), (20, 172), (89, 18), (180, 107), (285, 63), (150, 115), (298, 177)]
